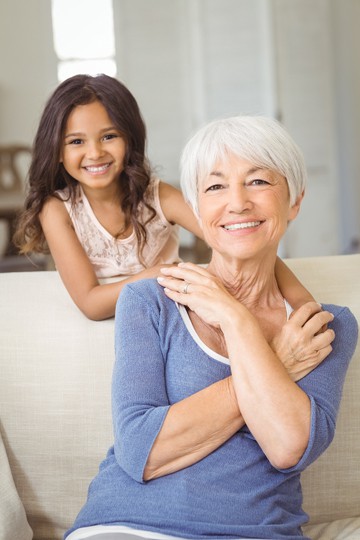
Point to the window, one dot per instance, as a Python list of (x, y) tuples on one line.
[(84, 37)]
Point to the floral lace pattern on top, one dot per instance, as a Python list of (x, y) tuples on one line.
[(113, 257)]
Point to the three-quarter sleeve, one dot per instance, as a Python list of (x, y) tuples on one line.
[(324, 386), (139, 397)]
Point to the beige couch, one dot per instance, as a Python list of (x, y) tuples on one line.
[(55, 402)]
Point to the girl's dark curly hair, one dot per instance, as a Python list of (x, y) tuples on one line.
[(47, 174)]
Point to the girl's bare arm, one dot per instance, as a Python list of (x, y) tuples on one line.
[(97, 301), (290, 287)]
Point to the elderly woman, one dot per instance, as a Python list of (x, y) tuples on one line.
[(221, 396)]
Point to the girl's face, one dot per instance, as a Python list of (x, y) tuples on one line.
[(93, 149)]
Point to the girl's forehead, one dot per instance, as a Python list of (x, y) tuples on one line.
[(88, 114)]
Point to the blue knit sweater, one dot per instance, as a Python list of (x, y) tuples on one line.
[(232, 493)]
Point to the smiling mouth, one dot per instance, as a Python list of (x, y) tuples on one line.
[(99, 169), (238, 226)]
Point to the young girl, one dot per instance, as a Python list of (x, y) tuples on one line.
[(93, 202)]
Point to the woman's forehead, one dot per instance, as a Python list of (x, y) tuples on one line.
[(230, 161)]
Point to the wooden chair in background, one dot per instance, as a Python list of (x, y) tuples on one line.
[(14, 162)]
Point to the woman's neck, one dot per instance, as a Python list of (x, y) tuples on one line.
[(252, 282)]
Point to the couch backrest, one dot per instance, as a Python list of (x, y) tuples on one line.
[(55, 397)]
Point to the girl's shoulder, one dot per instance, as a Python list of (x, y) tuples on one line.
[(60, 203), (51, 204), (152, 191), (153, 197)]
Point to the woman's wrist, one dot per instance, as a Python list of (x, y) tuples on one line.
[(235, 319)]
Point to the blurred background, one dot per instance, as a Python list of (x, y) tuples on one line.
[(188, 62)]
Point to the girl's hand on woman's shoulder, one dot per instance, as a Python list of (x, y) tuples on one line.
[(304, 341)]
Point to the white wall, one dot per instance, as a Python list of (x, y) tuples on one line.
[(306, 99), (28, 67), (188, 61), (151, 62), (347, 93)]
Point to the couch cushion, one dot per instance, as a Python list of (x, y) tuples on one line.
[(331, 486), (55, 369), (341, 529)]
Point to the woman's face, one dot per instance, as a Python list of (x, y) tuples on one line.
[(244, 210)]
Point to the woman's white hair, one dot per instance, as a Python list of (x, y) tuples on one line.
[(258, 139)]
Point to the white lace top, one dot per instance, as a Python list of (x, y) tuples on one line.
[(113, 257)]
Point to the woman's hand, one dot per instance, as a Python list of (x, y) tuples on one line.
[(304, 341), (194, 287), (301, 345)]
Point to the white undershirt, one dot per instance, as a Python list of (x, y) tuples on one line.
[(189, 325), (120, 532), (117, 532)]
